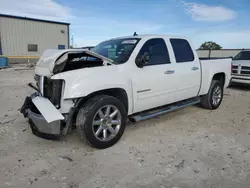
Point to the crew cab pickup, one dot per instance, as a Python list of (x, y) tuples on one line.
[(241, 68), (135, 77)]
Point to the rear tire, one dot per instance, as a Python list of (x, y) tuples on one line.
[(97, 123), (213, 98)]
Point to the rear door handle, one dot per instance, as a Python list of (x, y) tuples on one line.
[(195, 68), (169, 72)]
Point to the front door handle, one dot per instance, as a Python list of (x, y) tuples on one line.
[(195, 68), (169, 72)]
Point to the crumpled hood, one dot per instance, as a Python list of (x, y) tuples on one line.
[(46, 63)]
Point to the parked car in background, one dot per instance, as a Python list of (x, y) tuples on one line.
[(241, 67), (135, 77)]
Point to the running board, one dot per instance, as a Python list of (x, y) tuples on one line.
[(165, 109)]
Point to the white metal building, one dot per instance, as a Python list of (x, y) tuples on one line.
[(218, 53), (28, 37)]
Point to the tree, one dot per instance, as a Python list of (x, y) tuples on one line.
[(210, 45)]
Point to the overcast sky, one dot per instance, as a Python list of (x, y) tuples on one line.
[(223, 21)]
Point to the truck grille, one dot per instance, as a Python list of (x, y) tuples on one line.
[(53, 90), (241, 70), (50, 89), (245, 68), (245, 72)]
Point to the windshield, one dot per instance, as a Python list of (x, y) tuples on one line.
[(244, 55), (119, 50)]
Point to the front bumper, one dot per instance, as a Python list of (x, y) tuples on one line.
[(37, 120), (53, 128), (240, 79)]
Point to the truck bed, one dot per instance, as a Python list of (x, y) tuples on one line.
[(210, 67)]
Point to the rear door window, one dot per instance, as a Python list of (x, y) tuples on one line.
[(182, 50)]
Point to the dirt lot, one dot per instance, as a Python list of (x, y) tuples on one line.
[(189, 148)]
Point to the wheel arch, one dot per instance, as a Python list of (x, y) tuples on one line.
[(118, 93), (207, 80), (221, 76)]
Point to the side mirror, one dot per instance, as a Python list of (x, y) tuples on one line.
[(142, 60)]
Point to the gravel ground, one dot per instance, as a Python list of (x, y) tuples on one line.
[(189, 148)]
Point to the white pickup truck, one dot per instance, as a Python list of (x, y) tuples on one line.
[(135, 77), (241, 68)]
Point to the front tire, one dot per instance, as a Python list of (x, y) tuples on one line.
[(213, 98), (101, 120)]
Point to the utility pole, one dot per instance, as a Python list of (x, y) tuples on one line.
[(72, 41)]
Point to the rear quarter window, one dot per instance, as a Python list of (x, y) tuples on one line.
[(182, 50)]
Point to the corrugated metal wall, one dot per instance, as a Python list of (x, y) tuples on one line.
[(203, 53), (16, 34), (219, 53)]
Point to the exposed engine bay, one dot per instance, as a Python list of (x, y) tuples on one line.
[(56, 61), (73, 61)]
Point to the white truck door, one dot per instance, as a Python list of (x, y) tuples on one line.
[(188, 70), (154, 84)]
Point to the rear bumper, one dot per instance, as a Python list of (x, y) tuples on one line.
[(37, 120)]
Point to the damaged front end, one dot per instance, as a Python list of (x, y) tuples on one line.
[(47, 110), (44, 109), (41, 108), (41, 126)]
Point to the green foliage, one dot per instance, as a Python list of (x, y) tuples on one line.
[(210, 45)]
